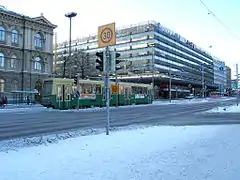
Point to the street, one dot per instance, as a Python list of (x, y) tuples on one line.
[(13, 125)]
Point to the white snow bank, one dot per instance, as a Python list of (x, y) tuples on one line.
[(23, 109), (226, 109), (141, 154), (184, 101)]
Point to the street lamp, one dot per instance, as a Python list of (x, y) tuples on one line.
[(70, 16), (203, 88), (152, 69), (237, 84)]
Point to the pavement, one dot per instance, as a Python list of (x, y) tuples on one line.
[(22, 124)]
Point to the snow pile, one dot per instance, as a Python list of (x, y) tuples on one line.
[(145, 153), (226, 109), (23, 109), (185, 101)]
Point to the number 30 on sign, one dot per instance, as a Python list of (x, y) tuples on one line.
[(106, 35)]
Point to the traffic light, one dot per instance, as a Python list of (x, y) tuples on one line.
[(100, 61), (221, 68), (75, 80), (117, 61)]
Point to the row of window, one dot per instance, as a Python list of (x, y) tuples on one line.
[(15, 35), (14, 85), (126, 42), (13, 62)]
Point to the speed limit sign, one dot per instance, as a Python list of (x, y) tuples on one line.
[(106, 35)]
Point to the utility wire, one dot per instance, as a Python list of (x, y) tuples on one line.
[(219, 20)]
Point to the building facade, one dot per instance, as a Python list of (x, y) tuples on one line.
[(26, 51), (150, 49), (220, 74), (228, 77)]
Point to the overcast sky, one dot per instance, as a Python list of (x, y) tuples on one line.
[(188, 18)]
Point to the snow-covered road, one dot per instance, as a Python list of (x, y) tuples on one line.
[(169, 153)]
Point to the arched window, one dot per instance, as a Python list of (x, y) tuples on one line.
[(13, 62), (15, 37), (2, 34), (38, 40), (37, 64), (2, 85), (14, 85), (1, 60)]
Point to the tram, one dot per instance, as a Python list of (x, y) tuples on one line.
[(62, 93)]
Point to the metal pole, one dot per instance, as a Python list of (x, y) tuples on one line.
[(237, 84), (153, 91), (69, 56), (116, 83), (203, 93), (107, 89), (70, 46), (170, 85), (78, 88)]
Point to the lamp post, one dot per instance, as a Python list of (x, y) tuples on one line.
[(170, 85), (237, 84), (70, 16), (203, 88), (152, 69)]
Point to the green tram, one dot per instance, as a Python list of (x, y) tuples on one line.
[(92, 94)]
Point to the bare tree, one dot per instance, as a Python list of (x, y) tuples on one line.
[(80, 62)]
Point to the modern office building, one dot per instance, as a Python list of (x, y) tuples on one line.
[(26, 51), (228, 77), (220, 74), (153, 53)]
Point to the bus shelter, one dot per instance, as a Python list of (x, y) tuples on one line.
[(20, 97)]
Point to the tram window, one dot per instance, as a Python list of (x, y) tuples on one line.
[(98, 89), (59, 92), (87, 88), (137, 90)]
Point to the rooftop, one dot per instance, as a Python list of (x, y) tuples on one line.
[(2, 8)]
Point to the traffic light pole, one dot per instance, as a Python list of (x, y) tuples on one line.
[(116, 83), (78, 88), (107, 88), (237, 85)]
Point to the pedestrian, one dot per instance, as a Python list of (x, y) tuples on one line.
[(5, 100), (2, 101), (28, 100)]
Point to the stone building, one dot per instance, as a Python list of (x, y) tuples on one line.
[(26, 51)]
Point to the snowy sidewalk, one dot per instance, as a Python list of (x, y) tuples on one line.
[(169, 153), (225, 109)]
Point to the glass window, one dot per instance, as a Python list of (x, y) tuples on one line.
[(14, 85), (13, 62), (37, 64), (15, 37), (38, 40), (1, 59), (2, 85), (2, 34)]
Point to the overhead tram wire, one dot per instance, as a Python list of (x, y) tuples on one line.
[(219, 20)]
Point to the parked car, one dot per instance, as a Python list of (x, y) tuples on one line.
[(190, 96)]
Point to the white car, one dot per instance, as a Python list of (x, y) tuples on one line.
[(190, 96)]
